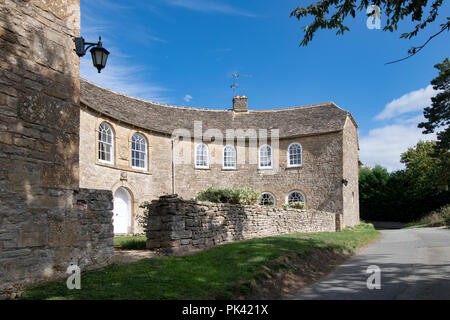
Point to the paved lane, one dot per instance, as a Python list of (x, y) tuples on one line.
[(414, 263)]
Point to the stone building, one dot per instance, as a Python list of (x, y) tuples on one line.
[(69, 148), (133, 148), (47, 222)]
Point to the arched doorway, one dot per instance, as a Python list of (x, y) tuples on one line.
[(122, 211)]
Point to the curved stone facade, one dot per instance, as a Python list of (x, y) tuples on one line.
[(327, 134)]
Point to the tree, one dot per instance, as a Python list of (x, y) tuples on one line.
[(427, 187), (438, 115), (372, 186), (422, 169), (404, 195), (330, 14)]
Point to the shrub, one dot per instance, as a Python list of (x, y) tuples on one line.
[(442, 215), (246, 196), (142, 219), (295, 205)]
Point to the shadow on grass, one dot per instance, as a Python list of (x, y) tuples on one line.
[(212, 274)]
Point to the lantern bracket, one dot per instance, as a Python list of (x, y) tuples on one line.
[(99, 54), (80, 45)]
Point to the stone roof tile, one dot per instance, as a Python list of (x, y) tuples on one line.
[(291, 122)]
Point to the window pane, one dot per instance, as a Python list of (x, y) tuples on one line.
[(295, 154), (265, 156), (105, 142), (296, 197), (139, 151), (229, 157), (201, 156), (267, 199)]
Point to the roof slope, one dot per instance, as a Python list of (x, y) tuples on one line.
[(296, 121)]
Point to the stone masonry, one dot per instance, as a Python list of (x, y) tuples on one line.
[(180, 225), (43, 247), (49, 121), (328, 136), (46, 222)]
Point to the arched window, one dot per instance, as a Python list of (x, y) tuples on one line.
[(138, 151), (105, 143), (295, 155), (267, 199), (201, 156), (229, 157), (296, 196), (265, 156)]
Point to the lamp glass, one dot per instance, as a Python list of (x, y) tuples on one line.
[(99, 57)]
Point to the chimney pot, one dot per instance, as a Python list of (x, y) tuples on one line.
[(240, 104)]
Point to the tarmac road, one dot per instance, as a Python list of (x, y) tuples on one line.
[(414, 264)]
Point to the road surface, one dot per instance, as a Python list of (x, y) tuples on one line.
[(414, 264)]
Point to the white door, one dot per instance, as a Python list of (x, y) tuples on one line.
[(122, 211)]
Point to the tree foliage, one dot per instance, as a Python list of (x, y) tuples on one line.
[(424, 169), (438, 119), (330, 14), (438, 114), (403, 195)]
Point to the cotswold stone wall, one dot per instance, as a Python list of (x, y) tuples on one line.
[(179, 225), (41, 248), (319, 178), (46, 223), (350, 172)]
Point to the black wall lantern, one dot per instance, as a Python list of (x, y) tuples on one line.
[(99, 54)]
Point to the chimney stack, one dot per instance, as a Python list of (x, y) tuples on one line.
[(240, 104)]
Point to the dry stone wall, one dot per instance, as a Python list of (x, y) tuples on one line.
[(40, 248), (181, 225)]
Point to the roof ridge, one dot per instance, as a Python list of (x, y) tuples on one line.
[(294, 121), (214, 110), (315, 105), (152, 102)]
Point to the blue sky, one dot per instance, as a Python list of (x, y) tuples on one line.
[(183, 52)]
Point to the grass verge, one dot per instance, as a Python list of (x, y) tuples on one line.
[(131, 242), (228, 271), (439, 218)]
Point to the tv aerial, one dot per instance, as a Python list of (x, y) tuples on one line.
[(235, 85)]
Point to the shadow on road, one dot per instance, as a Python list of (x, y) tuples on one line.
[(413, 264), (398, 281), (387, 225)]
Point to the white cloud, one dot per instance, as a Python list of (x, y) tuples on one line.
[(385, 145), (410, 102), (209, 6), (187, 98), (121, 77), (122, 73)]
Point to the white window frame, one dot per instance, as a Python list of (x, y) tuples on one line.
[(295, 191), (270, 194), (207, 156), (289, 155), (234, 160), (140, 151), (271, 157), (106, 143)]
